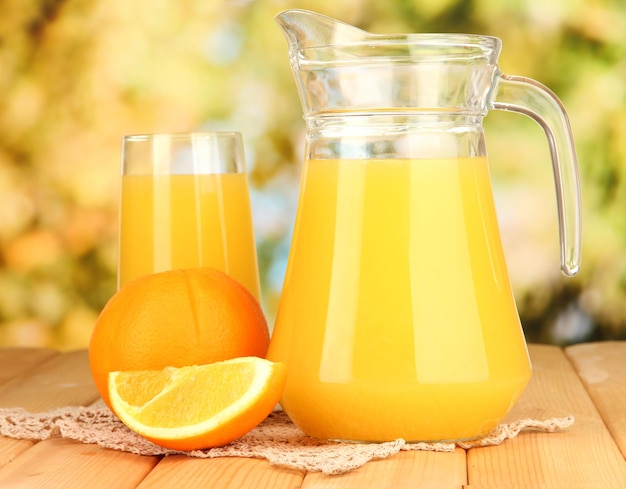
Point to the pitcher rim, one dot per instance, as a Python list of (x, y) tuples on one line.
[(444, 39)]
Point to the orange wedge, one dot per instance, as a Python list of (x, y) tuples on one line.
[(196, 407)]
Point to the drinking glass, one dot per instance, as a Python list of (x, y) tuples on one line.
[(185, 203)]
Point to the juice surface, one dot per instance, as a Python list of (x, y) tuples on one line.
[(397, 318), (184, 221)]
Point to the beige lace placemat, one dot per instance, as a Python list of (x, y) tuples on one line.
[(276, 439)]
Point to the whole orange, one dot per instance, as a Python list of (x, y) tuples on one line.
[(176, 318)]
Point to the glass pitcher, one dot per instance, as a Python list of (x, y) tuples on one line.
[(397, 318)]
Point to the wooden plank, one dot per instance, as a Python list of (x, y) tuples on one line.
[(220, 473), (70, 465), (10, 449), (584, 456), (602, 368), (404, 470), (16, 361), (62, 380), (39, 380)]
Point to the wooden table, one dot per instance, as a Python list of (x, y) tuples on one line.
[(587, 381)]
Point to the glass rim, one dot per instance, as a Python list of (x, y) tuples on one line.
[(218, 134), (199, 152)]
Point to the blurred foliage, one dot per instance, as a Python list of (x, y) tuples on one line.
[(75, 75)]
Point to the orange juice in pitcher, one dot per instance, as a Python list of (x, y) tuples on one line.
[(397, 318), (376, 273)]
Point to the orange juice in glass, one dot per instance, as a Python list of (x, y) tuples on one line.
[(185, 203), (406, 324)]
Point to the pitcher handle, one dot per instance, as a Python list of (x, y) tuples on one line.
[(531, 98)]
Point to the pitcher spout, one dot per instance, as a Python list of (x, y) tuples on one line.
[(305, 29)]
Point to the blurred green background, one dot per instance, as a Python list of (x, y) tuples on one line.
[(76, 75)]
